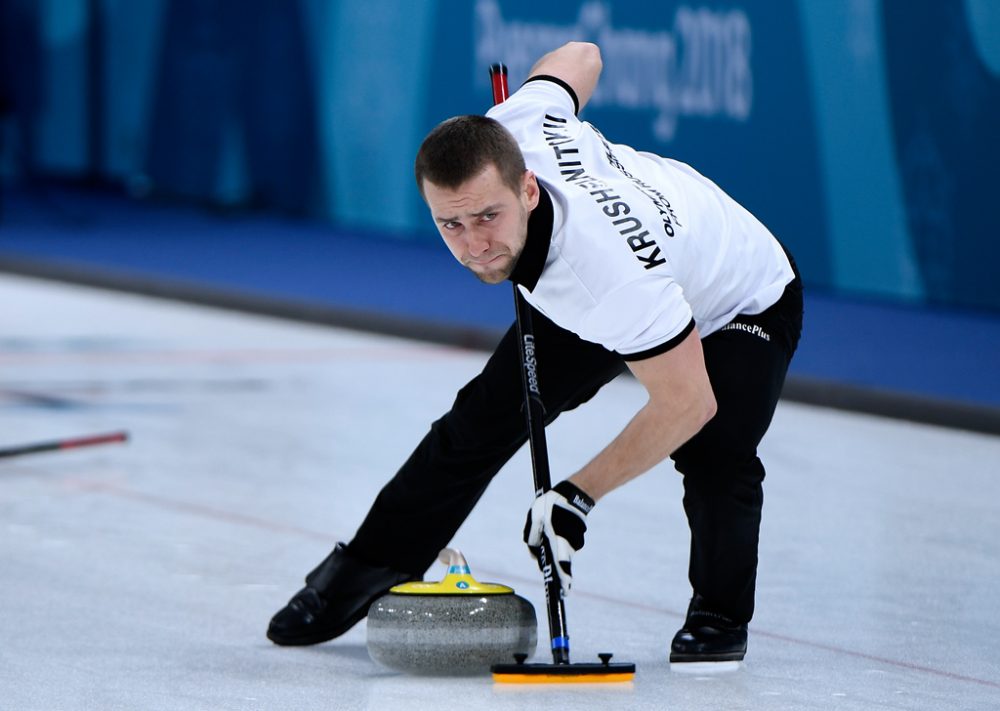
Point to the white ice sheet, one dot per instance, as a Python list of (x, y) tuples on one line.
[(143, 576)]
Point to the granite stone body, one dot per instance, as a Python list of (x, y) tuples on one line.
[(449, 635)]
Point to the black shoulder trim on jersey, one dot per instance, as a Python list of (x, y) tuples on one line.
[(663, 347), (560, 82), (530, 264)]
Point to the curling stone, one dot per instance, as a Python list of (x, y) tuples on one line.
[(457, 626)]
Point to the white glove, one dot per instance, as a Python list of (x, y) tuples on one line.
[(560, 515)]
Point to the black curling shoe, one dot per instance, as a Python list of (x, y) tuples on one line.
[(708, 637), (337, 596)]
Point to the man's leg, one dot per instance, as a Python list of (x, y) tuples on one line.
[(723, 492), (418, 511)]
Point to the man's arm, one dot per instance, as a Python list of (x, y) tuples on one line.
[(680, 402), (576, 63)]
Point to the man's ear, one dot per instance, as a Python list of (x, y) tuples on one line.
[(531, 191)]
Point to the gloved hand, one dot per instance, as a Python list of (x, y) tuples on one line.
[(560, 514)]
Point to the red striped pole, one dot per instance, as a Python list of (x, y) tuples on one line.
[(58, 444)]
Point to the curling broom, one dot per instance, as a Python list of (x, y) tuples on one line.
[(61, 444), (560, 670)]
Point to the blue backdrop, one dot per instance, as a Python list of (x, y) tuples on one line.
[(863, 133)]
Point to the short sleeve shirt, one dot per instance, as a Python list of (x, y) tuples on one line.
[(629, 249)]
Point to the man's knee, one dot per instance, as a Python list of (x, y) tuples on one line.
[(717, 468)]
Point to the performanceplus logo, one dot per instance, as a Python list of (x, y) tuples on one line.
[(752, 329), (531, 364), (698, 67)]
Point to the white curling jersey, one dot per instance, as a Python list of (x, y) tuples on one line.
[(641, 248)]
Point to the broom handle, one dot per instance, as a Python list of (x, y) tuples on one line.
[(59, 444), (534, 413)]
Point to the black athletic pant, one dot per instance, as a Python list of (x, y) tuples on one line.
[(418, 511)]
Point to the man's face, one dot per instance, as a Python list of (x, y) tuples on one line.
[(484, 222)]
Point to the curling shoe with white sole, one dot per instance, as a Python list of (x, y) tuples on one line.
[(708, 637)]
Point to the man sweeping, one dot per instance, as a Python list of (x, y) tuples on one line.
[(628, 259)]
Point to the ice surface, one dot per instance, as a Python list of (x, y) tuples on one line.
[(143, 576)]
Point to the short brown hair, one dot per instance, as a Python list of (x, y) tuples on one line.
[(461, 147)]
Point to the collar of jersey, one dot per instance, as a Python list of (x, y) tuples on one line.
[(530, 264)]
